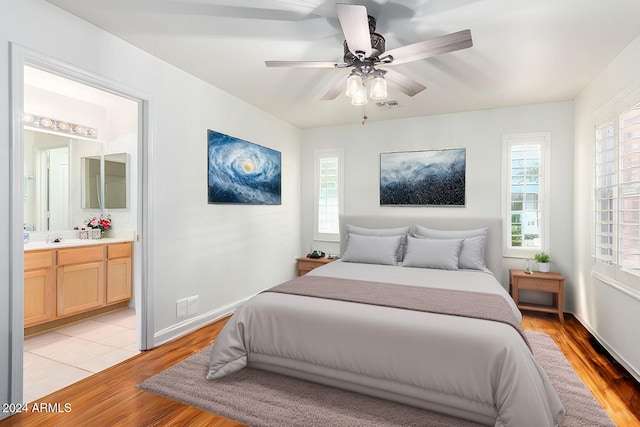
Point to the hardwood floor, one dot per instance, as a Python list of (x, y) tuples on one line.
[(111, 398)]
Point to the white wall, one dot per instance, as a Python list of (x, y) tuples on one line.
[(221, 253), (480, 132), (611, 315)]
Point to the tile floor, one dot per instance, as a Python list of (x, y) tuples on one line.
[(55, 359)]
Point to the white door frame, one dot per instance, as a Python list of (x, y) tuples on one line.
[(21, 56)]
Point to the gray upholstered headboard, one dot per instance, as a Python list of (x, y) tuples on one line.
[(493, 253)]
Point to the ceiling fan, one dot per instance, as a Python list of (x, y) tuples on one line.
[(364, 50)]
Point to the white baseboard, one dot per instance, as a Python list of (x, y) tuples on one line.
[(193, 323)]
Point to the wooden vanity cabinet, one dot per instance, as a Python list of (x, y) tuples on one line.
[(68, 284), (81, 279), (39, 287), (118, 272)]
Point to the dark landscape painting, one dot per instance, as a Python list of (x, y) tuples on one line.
[(426, 178), (242, 172)]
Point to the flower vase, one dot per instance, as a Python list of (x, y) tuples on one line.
[(96, 233)]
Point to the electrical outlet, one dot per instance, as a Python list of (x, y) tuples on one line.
[(181, 308), (192, 305)]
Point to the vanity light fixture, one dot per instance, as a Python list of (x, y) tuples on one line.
[(46, 124)]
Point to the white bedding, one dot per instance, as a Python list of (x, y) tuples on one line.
[(471, 368)]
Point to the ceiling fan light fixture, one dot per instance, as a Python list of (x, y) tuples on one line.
[(364, 49), (354, 82), (378, 88), (359, 96)]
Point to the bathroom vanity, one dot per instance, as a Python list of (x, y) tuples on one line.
[(69, 281)]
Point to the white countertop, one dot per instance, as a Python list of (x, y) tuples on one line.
[(70, 243)]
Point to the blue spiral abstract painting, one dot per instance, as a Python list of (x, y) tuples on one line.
[(426, 178), (242, 172)]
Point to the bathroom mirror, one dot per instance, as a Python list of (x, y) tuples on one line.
[(104, 178), (51, 182), (115, 181), (92, 182)]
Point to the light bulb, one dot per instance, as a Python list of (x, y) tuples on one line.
[(378, 88)]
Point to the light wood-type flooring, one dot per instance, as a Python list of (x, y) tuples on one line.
[(111, 398)]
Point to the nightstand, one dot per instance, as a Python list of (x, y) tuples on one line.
[(542, 282), (306, 264)]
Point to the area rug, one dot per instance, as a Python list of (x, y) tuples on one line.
[(258, 398)]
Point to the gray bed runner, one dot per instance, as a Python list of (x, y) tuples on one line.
[(477, 305)]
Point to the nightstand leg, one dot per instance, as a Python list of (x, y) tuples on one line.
[(560, 306)]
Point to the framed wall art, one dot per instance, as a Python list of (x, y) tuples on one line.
[(240, 172), (423, 178)]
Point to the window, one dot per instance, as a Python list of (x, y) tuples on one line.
[(616, 232), (525, 209), (328, 204)]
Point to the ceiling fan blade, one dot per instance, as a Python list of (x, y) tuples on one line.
[(432, 47), (336, 89), (304, 64), (355, 26), (403, 83)]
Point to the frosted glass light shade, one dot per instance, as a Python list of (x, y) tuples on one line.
[(359, 96), (378, 88), (353, 83)]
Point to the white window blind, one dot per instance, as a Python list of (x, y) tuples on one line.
[(616, 216), (606, 193), (524, 176), (328, 202), (629, 229), (328, 194)]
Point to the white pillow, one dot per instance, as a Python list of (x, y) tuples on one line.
[(400, 231), (372, 249), (473, 246), (442, 254)]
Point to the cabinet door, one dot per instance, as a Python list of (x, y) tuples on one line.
[(118, 280), (39, 296), (80, 287)]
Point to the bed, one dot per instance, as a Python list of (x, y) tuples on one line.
[(358, 324)]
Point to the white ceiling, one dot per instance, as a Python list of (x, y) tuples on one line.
[(525, 51)]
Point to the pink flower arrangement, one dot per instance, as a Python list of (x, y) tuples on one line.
[(103, 222)]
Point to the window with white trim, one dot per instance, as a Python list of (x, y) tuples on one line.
[(525, 176), (616, 231), (328, 191)]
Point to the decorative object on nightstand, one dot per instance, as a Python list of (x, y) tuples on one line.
[(543, 259), (537, 281), (528, 269), (306, 264)]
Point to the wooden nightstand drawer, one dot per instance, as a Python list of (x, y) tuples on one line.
[(306, 264), (538, 284)]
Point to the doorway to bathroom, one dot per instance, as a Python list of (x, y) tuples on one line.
[(67, 121)]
